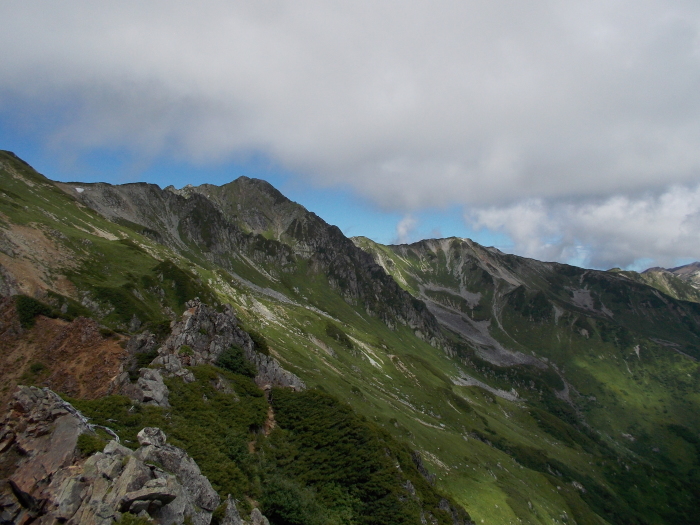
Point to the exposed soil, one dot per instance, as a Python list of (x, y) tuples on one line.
[(71, 358), (32, 260)]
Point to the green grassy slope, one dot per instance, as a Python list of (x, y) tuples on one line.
[(627, 354), (530, 458)]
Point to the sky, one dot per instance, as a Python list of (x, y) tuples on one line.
[(559, 130)]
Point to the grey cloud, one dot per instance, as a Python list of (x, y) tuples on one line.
[(411, 104)]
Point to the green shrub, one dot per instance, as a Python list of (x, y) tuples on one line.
[(141, 360), (234, 361), (37, 368), (185, 285), (208, 424), (129, 519), (186, 350), (260, 342), (36, 372), (88, 444), (336, 333), (106, 332), (123, 301), (28, 308), (287, 502), (161, 329), (349, 462)]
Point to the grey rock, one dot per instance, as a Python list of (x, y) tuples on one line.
[(52, 483), (153, 390), (151, 436), (159, 489), (177, 462), (257, 518), (232, 516), (418, 462), (410, 488), (134, 324)]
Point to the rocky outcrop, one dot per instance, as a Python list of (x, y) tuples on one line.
[(149, 388), (38, 439), (418, 462), (203, 334), (46, 480)]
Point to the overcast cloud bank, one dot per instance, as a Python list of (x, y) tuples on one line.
[(568, 125)]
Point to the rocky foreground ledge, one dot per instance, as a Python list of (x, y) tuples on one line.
[(45, 479)]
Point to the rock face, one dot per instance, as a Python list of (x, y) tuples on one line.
[(47, 481), (199, 338), (149, 388), (203, 334)]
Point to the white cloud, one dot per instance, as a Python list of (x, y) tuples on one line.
[(405, 229), (412, 104), (617, 231)]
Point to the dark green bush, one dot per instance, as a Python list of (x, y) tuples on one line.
[(28, 308), (37, 368), (141, 360), (36, 372), (349, 462), (106, 332), (336, 333), (260, 342), (202, 420), (286, 502), (123, 301), (185, 285), (234, 361)]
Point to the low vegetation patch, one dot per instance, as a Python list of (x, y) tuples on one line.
[(29, 308), (336, 333), (234, 360), (88, 444)]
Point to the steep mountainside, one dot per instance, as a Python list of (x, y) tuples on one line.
[(681, 283), (689, 273), (208, 226), (533, 392), (623, 354)]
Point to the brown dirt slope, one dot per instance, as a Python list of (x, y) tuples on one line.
[(71, 358)]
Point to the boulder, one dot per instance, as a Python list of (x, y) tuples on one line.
[(151, 436), (257, 518)]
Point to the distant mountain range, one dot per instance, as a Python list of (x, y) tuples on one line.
[(322, 379), (682, 282)]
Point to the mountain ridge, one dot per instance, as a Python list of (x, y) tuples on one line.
[(550, 392)]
